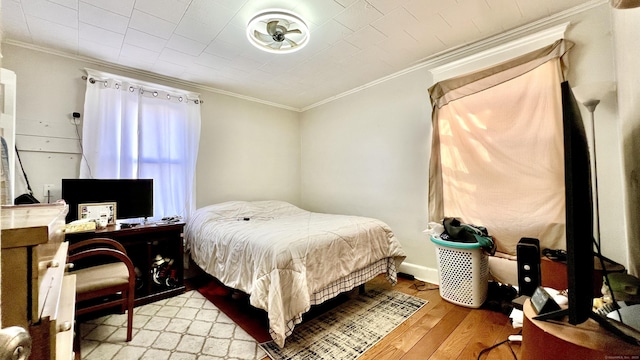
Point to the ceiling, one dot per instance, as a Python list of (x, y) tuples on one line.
[(352, 43)]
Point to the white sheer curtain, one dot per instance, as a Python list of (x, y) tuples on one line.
[(141, 131)]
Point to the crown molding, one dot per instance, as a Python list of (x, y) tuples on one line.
[(451, 55), (149, 74), (499, 53)]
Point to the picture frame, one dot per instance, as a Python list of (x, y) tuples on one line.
[(97, 210)]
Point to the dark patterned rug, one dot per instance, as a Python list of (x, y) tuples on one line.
[(348, 330)]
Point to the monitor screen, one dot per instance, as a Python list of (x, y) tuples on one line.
[(133, 197)]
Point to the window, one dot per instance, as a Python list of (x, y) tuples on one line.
[(497, 152), (135, 130)]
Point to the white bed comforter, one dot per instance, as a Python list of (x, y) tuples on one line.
[(281, 254)]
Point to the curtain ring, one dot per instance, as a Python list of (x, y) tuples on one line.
[(155, 93), (168, 96), (106, 83), (92, 80), (180, 99), (131, 88), (117, 85)]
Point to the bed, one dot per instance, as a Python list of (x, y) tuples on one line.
[(288, 259)]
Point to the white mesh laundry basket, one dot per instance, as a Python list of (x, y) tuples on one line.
[(463, 270)]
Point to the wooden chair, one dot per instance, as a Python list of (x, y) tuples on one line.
[(104, 278)]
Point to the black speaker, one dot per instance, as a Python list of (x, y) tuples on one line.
[(529, 275)]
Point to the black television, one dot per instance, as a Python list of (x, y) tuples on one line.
[(133, 197), (579, 215), (580, 225), (579, 210)]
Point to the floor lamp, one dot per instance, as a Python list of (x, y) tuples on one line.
[(591, 106)]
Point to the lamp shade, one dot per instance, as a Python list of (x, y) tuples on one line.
[(625, 4)]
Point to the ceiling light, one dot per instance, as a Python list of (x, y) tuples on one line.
[(277, 31)]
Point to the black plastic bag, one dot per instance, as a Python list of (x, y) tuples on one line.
[(26, 199)]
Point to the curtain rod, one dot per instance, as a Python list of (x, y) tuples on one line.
[(142, 90)]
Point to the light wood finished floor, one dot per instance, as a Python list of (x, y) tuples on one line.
[(442, 330)]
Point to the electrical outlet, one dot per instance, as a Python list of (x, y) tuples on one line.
[(46, 189)]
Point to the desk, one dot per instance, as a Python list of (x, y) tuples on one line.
[(542, 340), (143, 243)]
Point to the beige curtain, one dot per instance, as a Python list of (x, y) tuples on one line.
[(497, 150)]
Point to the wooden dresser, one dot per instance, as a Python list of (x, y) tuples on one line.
[(36, 293)]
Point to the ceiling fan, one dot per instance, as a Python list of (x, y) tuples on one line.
[(278, 31)]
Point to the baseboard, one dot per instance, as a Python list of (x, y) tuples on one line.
[(423, 273)]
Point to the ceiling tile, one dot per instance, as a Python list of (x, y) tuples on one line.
[(103, 18), (318, 12), (169, 68), (358, 15), (343, 49), (554, 6), (251, 8), (212, 61), (176, 57), (463, 12), (122, 7), (133, 52), (71, 4), (204, 32), (386, 6), (170, 10), (397, 20), (151, 25), (98, 51), (100, 35), (331, 32), (185, 45), (144, 40), (59, 35), (365, 37), (427, 9), (137, 61), (346, 3), (223, 48), (425, 31), (509, 16), (51, 12)]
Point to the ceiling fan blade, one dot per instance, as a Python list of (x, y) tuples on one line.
[(271, 27), (291, 42), (294, 31), (262, 37), (278, 45)]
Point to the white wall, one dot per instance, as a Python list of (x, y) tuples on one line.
[(627, 53), (247, 150), (367, 153)]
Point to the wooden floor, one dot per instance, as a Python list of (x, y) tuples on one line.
[(442, 330)]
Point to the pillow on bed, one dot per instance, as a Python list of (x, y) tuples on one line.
[(266, 209)]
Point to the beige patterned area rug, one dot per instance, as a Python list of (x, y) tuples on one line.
[(185, 327), (348, 330)]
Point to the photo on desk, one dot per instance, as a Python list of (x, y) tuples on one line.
[(96, 211)]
